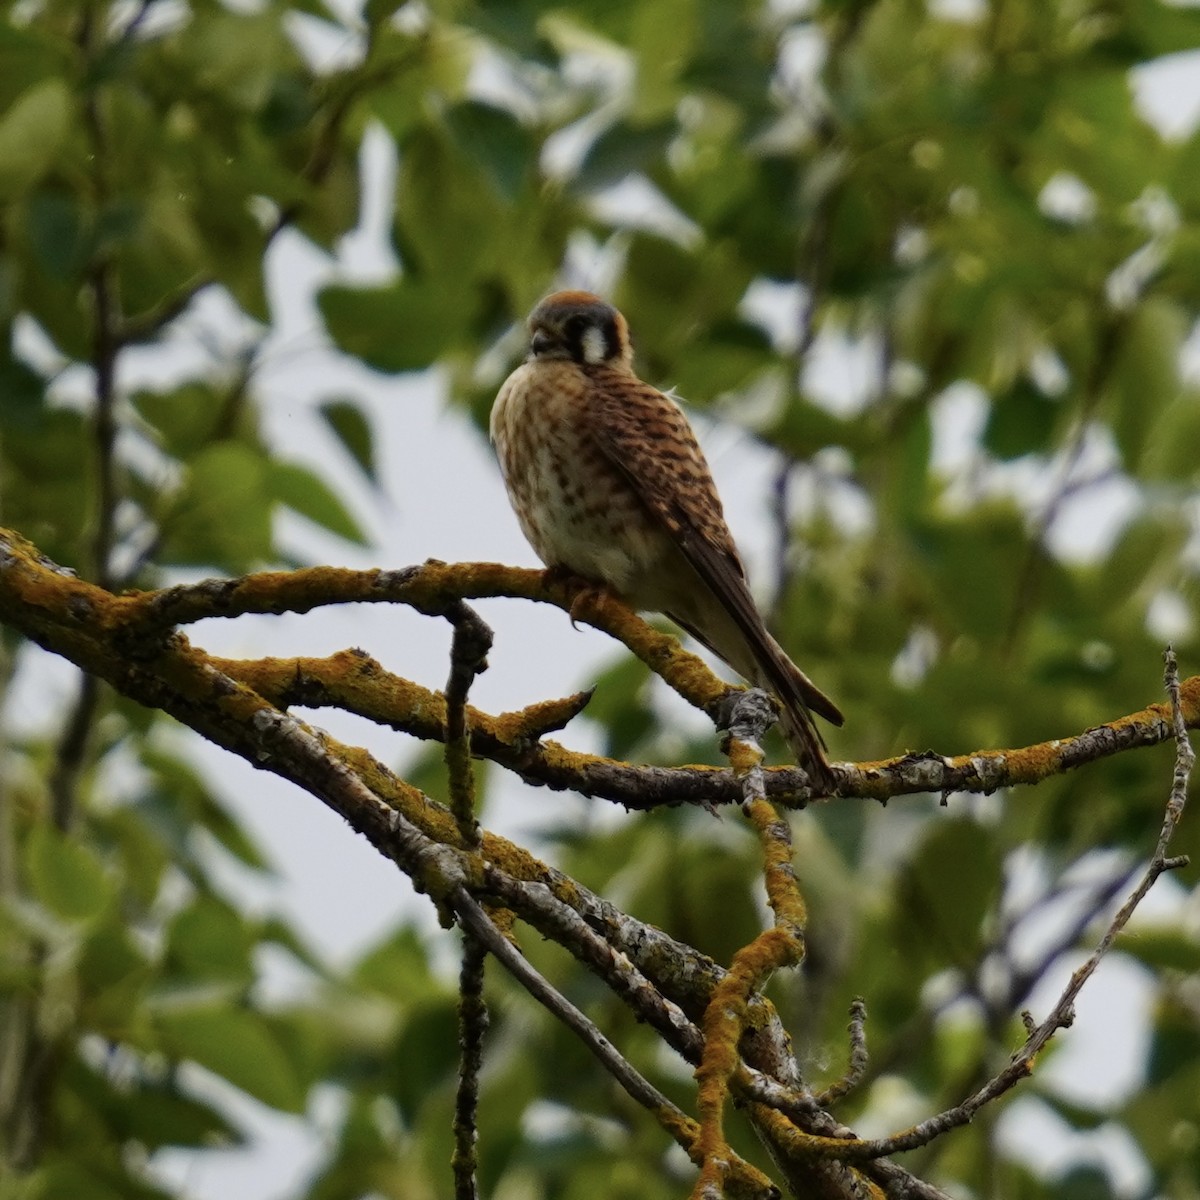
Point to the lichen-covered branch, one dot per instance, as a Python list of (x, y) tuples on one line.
[(353, 681), (138, 620), (715, 1018)]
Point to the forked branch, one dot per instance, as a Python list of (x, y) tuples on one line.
[(716, 1019)]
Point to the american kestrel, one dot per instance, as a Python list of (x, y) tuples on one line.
[(610, 484)]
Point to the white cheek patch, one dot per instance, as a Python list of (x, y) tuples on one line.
[(593, 345)]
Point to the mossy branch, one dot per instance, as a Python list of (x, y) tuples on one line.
[(717, 1019)]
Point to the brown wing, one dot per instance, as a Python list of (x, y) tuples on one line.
[(646, 436)]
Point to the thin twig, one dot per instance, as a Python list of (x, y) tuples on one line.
[(1062, 1015), (93, 629), (1185, 756), (129, 32), (472, 1027), (859, 1058), (537, 904), (468, 657), (71, 751), (1022, 982), (553, 918), (750, 1181), (480, 926)]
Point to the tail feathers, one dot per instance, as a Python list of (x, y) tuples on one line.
[(806, 743), (759, 658), (812, 697), (795, 721)]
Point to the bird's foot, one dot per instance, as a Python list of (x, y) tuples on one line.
[(583, 594)]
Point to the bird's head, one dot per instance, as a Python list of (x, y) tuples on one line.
[(579, 327)]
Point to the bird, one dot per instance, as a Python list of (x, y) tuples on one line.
[(609, 484)]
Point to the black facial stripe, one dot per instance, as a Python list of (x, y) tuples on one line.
[(612, 347), (597, 316)]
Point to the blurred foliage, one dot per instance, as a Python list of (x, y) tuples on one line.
[(967, 197)]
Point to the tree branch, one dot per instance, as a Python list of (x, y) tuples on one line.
[(123, 641)]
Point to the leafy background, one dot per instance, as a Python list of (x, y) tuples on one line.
[(929, 277)]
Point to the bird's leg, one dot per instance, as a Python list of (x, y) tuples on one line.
[(582, 593)]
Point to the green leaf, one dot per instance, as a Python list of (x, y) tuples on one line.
[(398, 967), (1163, 949), (278, 932), (22, 395), (404, 326), (1149, 546), (237, 1045), (353, 430), (40, 494), (621, 705), (209, 940), (309, 495), (1171, 443), (158, 1114), (178, 803), (237, 56), (28, 54), (623, 149), (907, 481), (425, 1056), (60, 1178), (988, 544), (497, 142), (1145, 376), (32, 134), (1020, 422), (65, 875), (945, 892), (153, 1113), (222, 517), (59, 233), (184, 417), (1078, 1116), (113, 976)]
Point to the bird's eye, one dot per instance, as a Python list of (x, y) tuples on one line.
[(575, 326)]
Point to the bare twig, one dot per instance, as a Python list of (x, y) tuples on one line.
[(131, 27), (745, 1180), (71, 751), (858, 1057), (1062, 1015), (430, 588), (899, 1184), (536, 903), (1185, 756), (1023, 981), (468, 657), (472, 1026)]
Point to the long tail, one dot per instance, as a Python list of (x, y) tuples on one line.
[(759, 658), (799, 697)]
